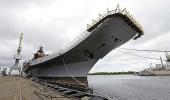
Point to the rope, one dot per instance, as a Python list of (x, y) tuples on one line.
[(82, 83), (139, 55), (145, 50), (72, 75)]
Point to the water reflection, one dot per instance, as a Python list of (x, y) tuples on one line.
[(129, 87)]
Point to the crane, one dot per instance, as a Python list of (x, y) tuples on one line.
[(18, 56)]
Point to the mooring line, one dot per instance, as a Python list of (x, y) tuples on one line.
[(100, 93), (72, 75)]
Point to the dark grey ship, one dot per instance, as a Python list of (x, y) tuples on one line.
[(71, 65)]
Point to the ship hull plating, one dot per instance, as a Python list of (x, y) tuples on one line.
[(73, 65), (64, 73)]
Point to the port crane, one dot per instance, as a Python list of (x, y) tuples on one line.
[(17, 57)]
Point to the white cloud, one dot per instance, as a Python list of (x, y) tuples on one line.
[(56, 22)]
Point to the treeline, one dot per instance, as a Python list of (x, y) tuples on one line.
[(111, 73)]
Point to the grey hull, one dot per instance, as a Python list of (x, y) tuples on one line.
[(77, 61)]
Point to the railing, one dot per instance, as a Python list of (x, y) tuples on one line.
[(101, 16), (75, 41), (61, 51), (117, 10), (85, 34)]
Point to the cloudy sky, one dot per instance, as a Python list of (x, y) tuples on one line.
[(54, 23)]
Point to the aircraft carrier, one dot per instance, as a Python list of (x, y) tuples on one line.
[(71, 65)]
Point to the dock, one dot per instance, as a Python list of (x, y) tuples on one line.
[(19, 88)]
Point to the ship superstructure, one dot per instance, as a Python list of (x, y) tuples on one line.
[(72, 64)]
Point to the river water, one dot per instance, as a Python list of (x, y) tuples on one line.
[(129, 87)]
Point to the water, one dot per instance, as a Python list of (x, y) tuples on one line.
[(129, 87)]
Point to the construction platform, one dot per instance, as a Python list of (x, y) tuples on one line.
[(18, 88)]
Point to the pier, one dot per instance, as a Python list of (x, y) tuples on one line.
[(18, 88)]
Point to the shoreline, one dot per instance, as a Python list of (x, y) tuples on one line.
[(113, 73)]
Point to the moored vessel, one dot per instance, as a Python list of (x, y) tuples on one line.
[(159, 69), (72, 64)]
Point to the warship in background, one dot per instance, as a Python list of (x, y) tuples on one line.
[(159, 70), (72, 64)]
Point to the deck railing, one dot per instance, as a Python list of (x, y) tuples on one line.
[(117, 10), (85, 34), (101, 16)]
